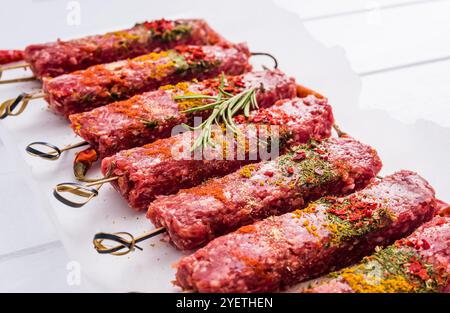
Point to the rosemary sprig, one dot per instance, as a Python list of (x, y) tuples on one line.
[(224, 108)]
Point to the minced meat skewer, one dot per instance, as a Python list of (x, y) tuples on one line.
[(167, 165), (418, 263), (195, 216), (98, 85), (152, 115), (329, 234), (62, 57)]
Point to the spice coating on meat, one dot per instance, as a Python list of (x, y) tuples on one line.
[(195, 216), (330, 233), (168, 165), (102, 84), (61, 57), (9, 56), (152, 115), (418, 263)]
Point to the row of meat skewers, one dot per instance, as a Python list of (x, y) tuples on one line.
[(261, 224)]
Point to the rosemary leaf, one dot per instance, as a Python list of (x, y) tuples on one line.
[(225, 92), (203, 107), (224, 108)]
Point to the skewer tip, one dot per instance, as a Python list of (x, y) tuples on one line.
[(274, 59), (338, 131)]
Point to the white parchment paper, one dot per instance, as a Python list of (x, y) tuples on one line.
[(422, 146)]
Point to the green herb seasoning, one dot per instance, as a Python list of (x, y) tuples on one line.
[(176, 33), (306, 166), (393, 269), (87, 98), (354, 217), (180, 62), (149, 124)]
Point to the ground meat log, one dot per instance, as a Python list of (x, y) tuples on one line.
[(99, 85), (168, 165), (62, 57), (195, 216), (145, 118), (329, 234), (418, 263)]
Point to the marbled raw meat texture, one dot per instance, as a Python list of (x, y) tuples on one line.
[(329, 234), (119, 125), (168, 165), (195, 216), (99, 85), (418, 263)]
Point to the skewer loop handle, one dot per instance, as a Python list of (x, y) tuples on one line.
[(125, 241), (7, 107), (87, 191), (53, 154), (80, 190)]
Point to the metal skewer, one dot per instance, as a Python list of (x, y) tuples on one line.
[(128, 241), (87, 191), (275, 61), (54, 153), (8, 106), (31, 78), (338, 131), (125, 241)]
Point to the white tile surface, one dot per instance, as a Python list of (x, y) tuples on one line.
[(388, 38), (314, 9), (31, 257), (6, 163), (46, 268), (22, 224), (422, 92)]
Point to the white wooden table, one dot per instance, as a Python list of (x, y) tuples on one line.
[(400, 48)]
